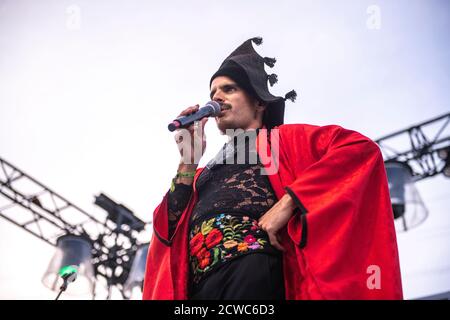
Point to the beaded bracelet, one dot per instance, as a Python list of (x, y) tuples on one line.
[(189, 174)]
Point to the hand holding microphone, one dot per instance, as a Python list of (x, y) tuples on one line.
[(192, 141), (211, 109)]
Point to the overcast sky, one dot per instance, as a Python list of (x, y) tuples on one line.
[(87, 89)]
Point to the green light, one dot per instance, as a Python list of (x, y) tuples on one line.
[(67, 270)]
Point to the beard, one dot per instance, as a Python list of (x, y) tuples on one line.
[(235, 121), (225, 124)]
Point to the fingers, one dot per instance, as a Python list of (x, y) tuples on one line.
[(196, 128), (189, 110), (274, 241), (191, 142), (200, 125), (178, 137), (273, 235)]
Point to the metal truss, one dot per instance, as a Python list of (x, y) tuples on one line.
[(37, 209), (428, 147)]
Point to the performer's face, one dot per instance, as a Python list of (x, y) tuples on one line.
[(245, 112)]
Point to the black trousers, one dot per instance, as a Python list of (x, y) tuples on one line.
[(255, 276)]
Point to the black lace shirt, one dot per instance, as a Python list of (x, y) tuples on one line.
[(233, 195)]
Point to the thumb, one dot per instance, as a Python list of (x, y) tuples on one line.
[(204, 121), (200, 129)]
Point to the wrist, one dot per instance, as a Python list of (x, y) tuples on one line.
[(184, 177), (288, 202), (182, 167)]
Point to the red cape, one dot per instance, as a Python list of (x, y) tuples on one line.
[(341, 245)]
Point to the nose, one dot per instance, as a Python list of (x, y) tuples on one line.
[(218, 96)]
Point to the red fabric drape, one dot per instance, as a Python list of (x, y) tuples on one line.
[(341, 244)]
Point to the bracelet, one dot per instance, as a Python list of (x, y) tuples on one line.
[(189, 174)]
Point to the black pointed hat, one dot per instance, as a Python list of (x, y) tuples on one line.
[(245, 66)]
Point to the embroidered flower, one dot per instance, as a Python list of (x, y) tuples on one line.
[(214, 238), (230, 244), (243, 246), (204, 258), (249, 239), (254, 246), (196, 244), (255, 225), (222, 238), (202, 252)]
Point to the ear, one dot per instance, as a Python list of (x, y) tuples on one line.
[(260, 105)]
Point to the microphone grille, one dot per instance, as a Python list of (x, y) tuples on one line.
[(216, 107)]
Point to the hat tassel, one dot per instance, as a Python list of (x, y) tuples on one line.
[(270, 61), (257, 40), (273, 78), (291, 95)]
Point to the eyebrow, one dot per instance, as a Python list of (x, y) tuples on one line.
[(231, 84)]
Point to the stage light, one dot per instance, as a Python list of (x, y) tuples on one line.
[(443, 153), (119, 214), (446, 171), (137, 272), (407, 205), (72, 252)]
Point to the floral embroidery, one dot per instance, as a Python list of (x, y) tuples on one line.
[(250, 239), (222, 238), (230, 244), (242, 246), (196, 244), (213, 238)]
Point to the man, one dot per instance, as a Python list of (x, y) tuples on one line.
[(319, 226)]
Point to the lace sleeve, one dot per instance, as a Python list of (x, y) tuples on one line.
[(177, 202)]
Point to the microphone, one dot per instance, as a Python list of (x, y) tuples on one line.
[(69, 275), (211, 109)]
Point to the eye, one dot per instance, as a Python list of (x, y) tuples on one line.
[(229, 89)]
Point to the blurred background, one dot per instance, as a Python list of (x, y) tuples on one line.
[(87, 89)]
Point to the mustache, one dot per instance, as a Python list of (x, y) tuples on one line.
[(225, 106)]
